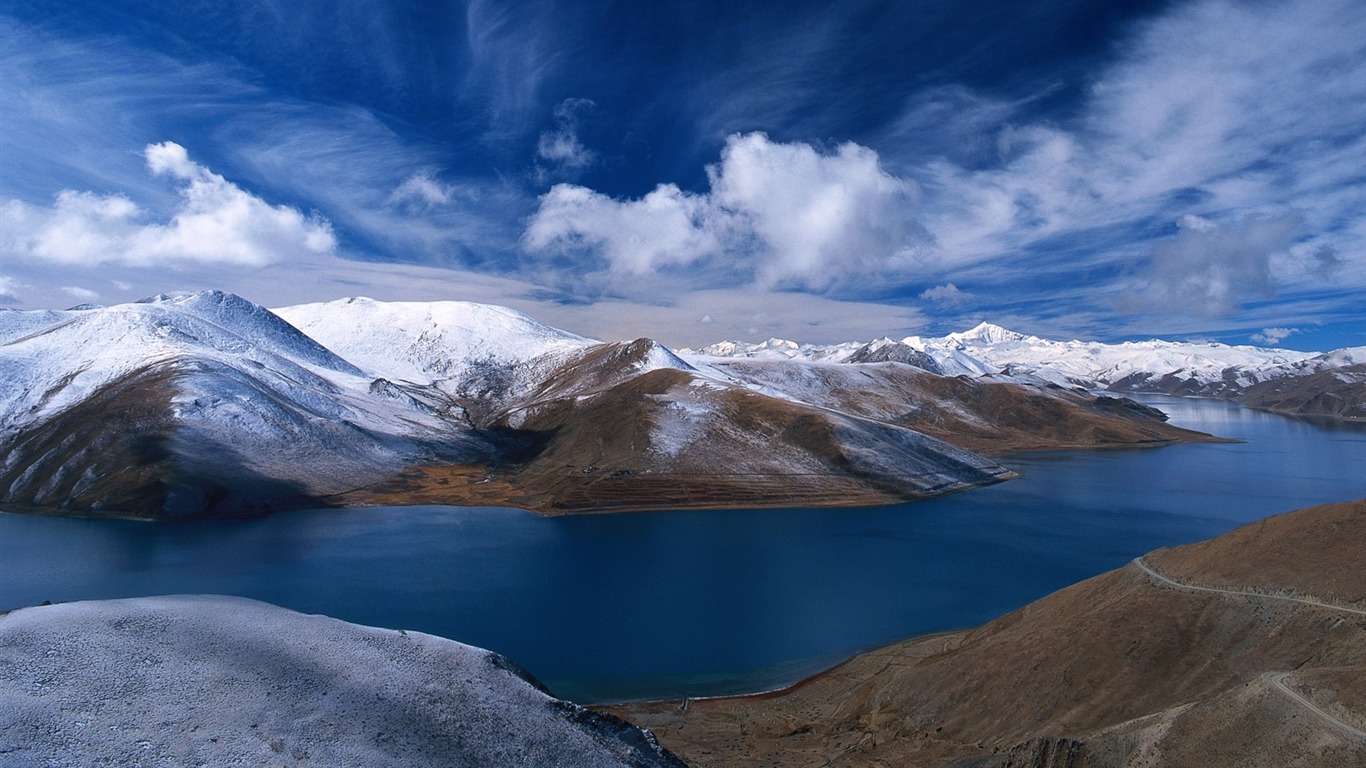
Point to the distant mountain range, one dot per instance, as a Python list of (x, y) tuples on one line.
[(1304, 383), (207, 404)]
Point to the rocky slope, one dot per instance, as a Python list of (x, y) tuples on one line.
[(206, 680), (206, 404), (1247, 650)]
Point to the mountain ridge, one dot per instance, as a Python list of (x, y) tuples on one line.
[(207, 404), (1206, 369)]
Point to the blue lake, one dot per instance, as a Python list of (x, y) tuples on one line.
[(666, 604)]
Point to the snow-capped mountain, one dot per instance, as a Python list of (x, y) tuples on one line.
[(181, 401), (1132, 366), (1207, 369), (443, 343), (208, 404)]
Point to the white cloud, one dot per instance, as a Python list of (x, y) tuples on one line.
[(818, 218), (947, 295), (170, 158), (1208, 269), (1273, 336), (84, 294), (667, 227), (422, 189), (779, 214), (1232, 112), (214, 222), (9, 290), (561, 147)]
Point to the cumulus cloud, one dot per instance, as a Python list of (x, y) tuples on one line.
[(947, 295), (215, 222), (667, 227), (816, 217), (781, 215), (1273, 336)]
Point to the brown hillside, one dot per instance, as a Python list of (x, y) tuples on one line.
[(669, 439), (1338, 393), (1120, 670), (976, 414)]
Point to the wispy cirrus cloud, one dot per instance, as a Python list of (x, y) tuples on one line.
[(559, 150), (1232, 112), (424, 190), (511, 50)]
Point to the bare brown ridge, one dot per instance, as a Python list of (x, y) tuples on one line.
[(1245, 650)]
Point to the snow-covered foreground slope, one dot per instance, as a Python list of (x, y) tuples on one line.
[(208, 680)]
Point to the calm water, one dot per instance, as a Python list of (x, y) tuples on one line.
[(697, 603)]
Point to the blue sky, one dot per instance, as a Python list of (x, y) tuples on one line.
[(695, 171)]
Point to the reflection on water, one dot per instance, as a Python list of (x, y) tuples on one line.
[(674, 603)]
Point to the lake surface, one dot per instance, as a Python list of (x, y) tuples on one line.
[(666, 604)]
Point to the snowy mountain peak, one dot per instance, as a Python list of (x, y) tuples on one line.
[(987, 333), (651, 355)]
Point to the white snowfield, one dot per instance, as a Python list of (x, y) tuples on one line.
[(226, 681), (428, 342)]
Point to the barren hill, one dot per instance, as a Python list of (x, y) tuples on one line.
[(1246, 650)]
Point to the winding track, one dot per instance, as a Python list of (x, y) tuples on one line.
[(1277, 681), (1274, 679), (1138, 561)]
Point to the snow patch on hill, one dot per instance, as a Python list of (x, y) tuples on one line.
[(211, 680), (428, 342)]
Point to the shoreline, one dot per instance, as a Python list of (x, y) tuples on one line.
[(783, 690)]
